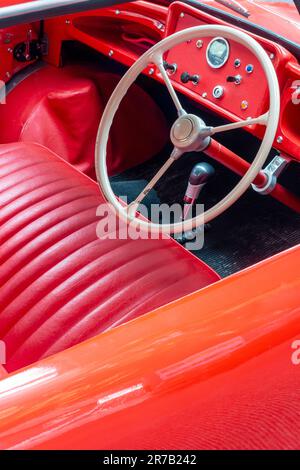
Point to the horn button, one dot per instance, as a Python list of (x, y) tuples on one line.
[(187, 133), (183, 128)]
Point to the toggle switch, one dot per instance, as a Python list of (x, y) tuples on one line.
[(172, 68), (234, 79), (186, 77)]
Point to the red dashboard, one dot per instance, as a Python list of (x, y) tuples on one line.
[(246, 96), (124, 33)]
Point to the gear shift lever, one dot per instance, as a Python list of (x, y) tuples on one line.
[(200, 175)]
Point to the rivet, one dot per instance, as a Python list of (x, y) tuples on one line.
[(151, 71), (111, 53), (181, 15), (279, 139)]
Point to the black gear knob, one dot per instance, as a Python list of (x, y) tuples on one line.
[(199, 176), (201, 173)]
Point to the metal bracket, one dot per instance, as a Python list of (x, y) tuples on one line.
[(272, 171)]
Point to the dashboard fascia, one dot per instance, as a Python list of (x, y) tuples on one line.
[(183, 16)]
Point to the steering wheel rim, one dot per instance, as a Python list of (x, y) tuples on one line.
[(155, 54)]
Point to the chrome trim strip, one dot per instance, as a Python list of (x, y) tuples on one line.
[(35, 6), (37, 10)]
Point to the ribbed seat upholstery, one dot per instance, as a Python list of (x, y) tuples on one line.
[(59, 283)]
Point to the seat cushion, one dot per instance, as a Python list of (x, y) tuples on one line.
[(59, 283)]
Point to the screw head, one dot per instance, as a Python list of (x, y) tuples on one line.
[(204, 94), (68, 21), (111, 53), (117, 12), (279, 139), (199, 43), (181, 15), (151, 71)]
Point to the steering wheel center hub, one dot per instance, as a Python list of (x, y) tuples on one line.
[(183, 128), (187, 133)]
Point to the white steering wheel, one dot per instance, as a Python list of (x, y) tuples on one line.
[(189, 132)]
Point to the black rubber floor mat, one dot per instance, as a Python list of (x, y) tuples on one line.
[(253, 229)]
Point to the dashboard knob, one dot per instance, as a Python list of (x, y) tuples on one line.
[(172, 68), (186, 77), (234, 78), (218, 91)]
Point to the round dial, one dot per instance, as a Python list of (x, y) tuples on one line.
[(217, 52)]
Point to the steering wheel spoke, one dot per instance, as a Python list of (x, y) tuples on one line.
[(158, 61), (133, 206), (262, 119)]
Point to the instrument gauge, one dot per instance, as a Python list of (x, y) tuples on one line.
[(217, 52)]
